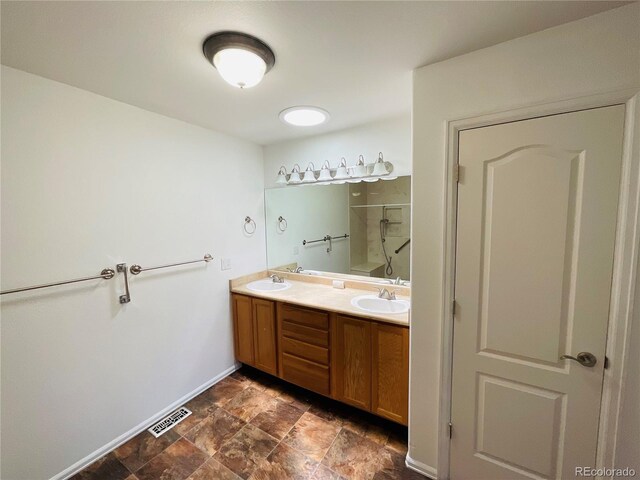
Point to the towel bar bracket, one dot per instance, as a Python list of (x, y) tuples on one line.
[(122, 268)]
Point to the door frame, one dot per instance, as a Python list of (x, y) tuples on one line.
[(625, 263)]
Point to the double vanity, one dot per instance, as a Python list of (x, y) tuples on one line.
[(350, 344)]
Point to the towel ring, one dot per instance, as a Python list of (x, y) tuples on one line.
[(282, 223), (248, 221)]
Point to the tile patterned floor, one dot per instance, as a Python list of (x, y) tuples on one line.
[(254, 426)]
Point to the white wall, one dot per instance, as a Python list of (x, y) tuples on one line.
[(311, 212), (594, 55), (392, 137), (88, 182)]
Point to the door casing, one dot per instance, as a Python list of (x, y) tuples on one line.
[(624, 270)]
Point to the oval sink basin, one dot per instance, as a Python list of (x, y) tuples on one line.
[(267, 285), (373, 304)]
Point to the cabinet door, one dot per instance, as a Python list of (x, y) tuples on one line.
[(243, 328), (353, 361), (264, 334), (390, 371)]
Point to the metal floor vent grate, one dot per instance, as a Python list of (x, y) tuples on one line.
[(169, 422)]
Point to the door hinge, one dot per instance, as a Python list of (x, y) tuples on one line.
[(458, 174), (606, 362), (450, 430), (454, 307)]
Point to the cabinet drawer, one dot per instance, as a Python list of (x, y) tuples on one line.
[(305, 350), (310, 318), (305, 374), (305, 334)]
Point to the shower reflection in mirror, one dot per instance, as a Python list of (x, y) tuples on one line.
[(376, 215)]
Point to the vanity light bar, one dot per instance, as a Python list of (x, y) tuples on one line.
[(328, 175)]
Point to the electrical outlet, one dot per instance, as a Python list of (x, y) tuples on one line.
[(225, 264)]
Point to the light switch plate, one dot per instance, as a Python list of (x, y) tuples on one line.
[(225, 264)]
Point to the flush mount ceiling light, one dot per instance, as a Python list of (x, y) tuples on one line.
[(304, 116), (241, 60)]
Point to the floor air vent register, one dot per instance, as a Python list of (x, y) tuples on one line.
[(169, 422)]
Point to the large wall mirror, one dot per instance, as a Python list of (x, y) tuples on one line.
[(355, 228)]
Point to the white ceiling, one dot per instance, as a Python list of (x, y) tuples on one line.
[(352, 58)]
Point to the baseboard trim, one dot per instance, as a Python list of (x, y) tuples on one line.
[(420, 467), (112, 445)]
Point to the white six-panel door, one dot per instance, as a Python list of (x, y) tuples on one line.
[(537, 205)]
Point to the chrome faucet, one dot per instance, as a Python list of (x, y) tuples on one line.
[(296, 270), (386, 294), (276, 278)]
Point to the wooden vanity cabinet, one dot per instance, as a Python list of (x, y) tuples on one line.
[(371, 366), (304, 347), (364, 363), (390, 371), (243, 328), (254, 327), (264, 335), (352, 359)]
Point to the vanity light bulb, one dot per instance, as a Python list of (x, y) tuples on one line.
[(325, 175), (379, 169)]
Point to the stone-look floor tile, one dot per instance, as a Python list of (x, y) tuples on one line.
[(143, 447), (213, 431), (246, 450), (274, 388), (284, 463), (356, 421), (253, 378), (213, 470), (312, 436), (353, 456), (176, 463), (377, 432), (200, 406), (302, 401), (324, 473), (398, 440), (259, 385), (105, 468), (391, 466), (328, 410), (278, 419), (224, 391), (249, 403), (240, 376)]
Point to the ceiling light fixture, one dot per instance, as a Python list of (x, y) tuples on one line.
[(304, 116), (241, 60), (360, 172)]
